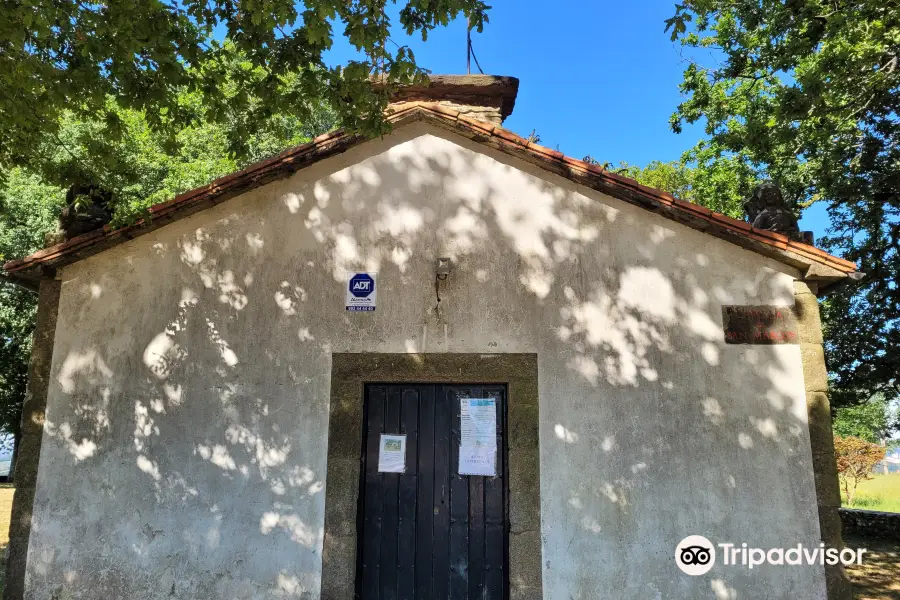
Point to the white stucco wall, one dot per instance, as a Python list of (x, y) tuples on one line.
[(185, 448)]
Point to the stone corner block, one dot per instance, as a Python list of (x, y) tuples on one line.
[(815, 375)]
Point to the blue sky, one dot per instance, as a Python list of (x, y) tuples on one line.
[(598, 78)]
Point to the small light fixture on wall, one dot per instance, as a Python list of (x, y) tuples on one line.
[(442, 270)]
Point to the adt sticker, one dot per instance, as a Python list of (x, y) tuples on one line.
[(361, 292)]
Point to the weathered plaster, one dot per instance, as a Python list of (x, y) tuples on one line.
[(350, 372), (185, 447), (32, 429)]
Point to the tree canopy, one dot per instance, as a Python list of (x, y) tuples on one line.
[(806, 93), (141, 166), (149, 99), (144, 100), (28, 209), (89, 60), (855, 460), (872, 421), (719, 183), (142, 169)]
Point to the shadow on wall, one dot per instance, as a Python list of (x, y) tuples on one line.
[(184, 453)]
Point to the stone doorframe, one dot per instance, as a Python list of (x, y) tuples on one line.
[(350, 372)]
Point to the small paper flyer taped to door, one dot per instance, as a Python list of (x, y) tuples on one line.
[(478, 422), (478, 436), (392, 454), (477, 461)]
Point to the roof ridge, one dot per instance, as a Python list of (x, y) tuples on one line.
[(661, 195), (338, 140)]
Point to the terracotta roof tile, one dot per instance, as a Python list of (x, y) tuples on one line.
[(179, 200), (326, 137), (809, 249), (625, 180), (595, 169), (544, 152), (477, 124), (730, 221), (509, 136), (444, 110), (289, 161), (691, 207), (772, 235), (578, 165)]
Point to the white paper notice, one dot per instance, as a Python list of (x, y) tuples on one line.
[(478, 420), (392, 454), (478, 436), (477, 461)]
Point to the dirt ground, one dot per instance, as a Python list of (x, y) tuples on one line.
[(6, 497), (878, 578)]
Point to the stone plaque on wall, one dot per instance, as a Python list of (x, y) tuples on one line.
[(760, 325)]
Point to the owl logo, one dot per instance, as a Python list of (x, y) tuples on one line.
[(695, 555)]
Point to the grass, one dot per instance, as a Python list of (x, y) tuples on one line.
[(6, 498), (877, 578), (882, 492)]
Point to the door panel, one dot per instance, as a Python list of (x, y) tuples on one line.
[(430, 533)]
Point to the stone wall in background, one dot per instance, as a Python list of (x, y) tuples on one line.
[(870, 524)]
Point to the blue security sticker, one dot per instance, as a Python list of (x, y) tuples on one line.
[(362, 292)]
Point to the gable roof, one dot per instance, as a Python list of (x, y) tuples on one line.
[(815, 264)]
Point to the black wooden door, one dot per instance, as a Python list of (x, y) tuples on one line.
[(429, 533)]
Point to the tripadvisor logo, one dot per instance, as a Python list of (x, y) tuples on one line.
[(696, 555)]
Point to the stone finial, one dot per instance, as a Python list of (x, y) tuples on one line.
[(76, 219), (766, 209), (488, 98)]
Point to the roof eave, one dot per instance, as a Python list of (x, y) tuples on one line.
[(813, 263)]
